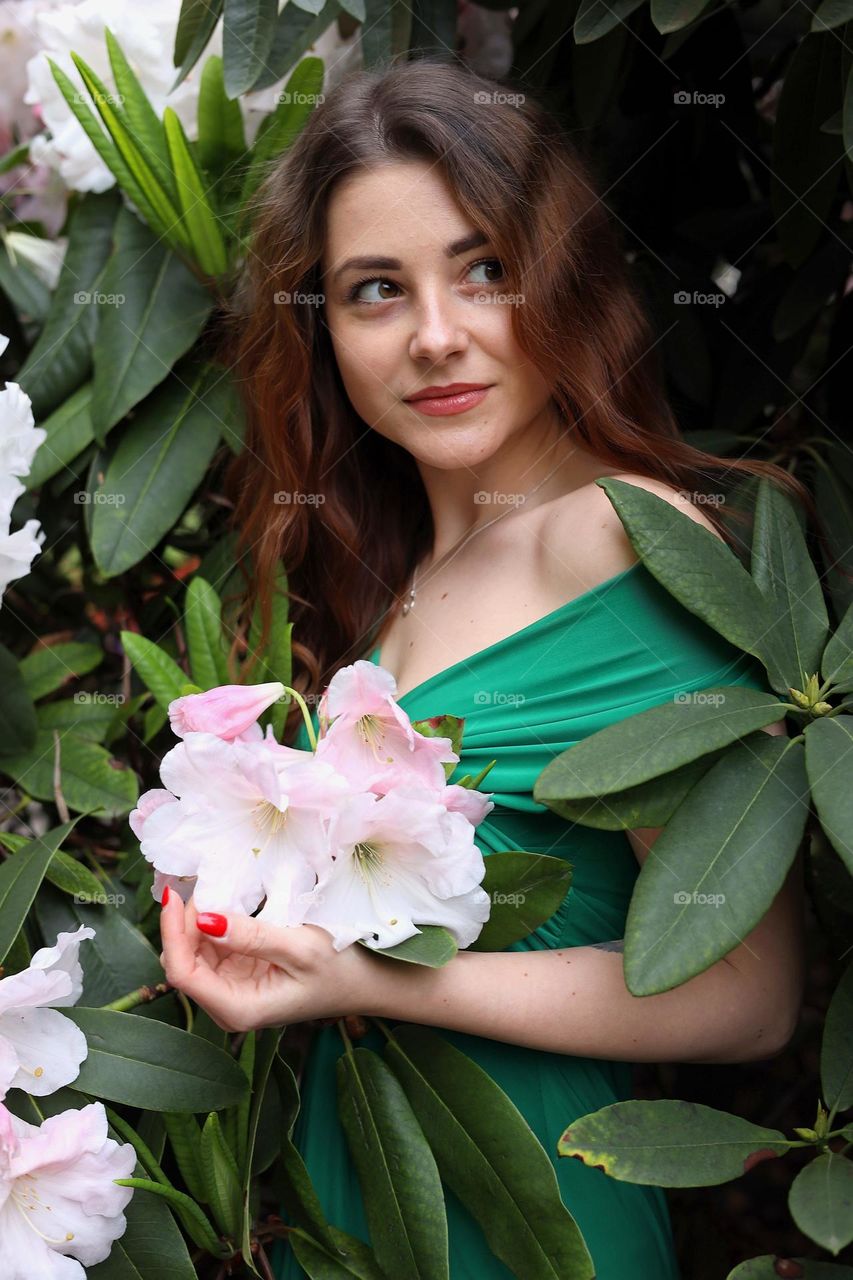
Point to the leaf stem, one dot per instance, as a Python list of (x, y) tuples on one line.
[(142, 995), (306, 715)]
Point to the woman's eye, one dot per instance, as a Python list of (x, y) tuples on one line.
[(355, 295), (487, 264)]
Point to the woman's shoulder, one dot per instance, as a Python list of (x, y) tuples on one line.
[(582, 528)]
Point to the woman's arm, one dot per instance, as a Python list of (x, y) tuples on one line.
[(574, 1000)]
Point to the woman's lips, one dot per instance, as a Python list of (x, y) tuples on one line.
[(439, 406)]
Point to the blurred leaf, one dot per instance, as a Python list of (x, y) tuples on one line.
[(118, 959), (198, 214), (158, 671), (205, 641), (829, 762), (49, 666), (158, 312), (69, 430), (672, 15), (61, 357), (158, 464), (836, 1054), (525, 890), (20, 878), (247, 36), (18, 725), (90, 778)]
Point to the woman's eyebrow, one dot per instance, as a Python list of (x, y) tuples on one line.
[(472, 241)]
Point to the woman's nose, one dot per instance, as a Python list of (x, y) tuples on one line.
[(439, 331)]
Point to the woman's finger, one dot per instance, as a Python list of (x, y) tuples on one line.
[(180, 960)]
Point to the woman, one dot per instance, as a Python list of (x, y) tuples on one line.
[(441, 355)]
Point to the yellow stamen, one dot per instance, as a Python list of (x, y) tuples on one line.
[(19, 1204)]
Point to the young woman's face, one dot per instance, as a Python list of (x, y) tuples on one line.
[(433, 317)]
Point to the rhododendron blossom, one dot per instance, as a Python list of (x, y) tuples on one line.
[(363, 836), (40, 1050), (59, 1205)]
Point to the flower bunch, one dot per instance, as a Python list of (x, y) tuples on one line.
[(362, 835), (60, 1209)]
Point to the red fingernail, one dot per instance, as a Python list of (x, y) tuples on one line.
[(211, 922), (165, 898)]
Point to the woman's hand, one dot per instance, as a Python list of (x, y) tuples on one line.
[(260, 975)]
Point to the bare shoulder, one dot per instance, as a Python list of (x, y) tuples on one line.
[(583, 538)]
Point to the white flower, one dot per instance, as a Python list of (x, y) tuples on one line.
[(44, 256), (19, 440), (40, 1050), (399, 860), (59, 1205)]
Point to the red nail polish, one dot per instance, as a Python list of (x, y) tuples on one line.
[(211, 922), (165, 897)]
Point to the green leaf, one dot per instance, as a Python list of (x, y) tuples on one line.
[(836, 1054), (837, 661), (820, 1201), (205, 640), (221, 134), (145, 1063), (247, 36), (595, 18), (399, 1179), (275, 663), (142, 120), (64, 871), (185, 1141), (61, 357), (49, 666), (159, 462), (672, 15), (197, 212), (718, 864), (295, 33), (784, 572), (670, 1143), (201, 1230), (490, 1158), (221, 1178), (280, 129), (89, 714), (764, 1268), (20, 878), (17, 714), (525, 890), (69, 429), (152, 313), (196, 24), (829, 763), (91, 780), (831, 13), (806, 162), (654, 742), (699, 570), (118, 959), (353, 1259), (433, 946), (157, 669), (650, 804), (150, 1247)]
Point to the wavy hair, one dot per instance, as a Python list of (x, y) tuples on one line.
[(350, 549)]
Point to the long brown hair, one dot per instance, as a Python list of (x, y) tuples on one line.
[(355, 519)]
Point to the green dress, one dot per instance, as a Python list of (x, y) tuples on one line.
[(620, 648)]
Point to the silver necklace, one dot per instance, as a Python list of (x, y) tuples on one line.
[(409, 604)]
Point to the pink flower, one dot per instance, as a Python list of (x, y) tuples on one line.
[(371, 739), (229, 710), (58, 1200)]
